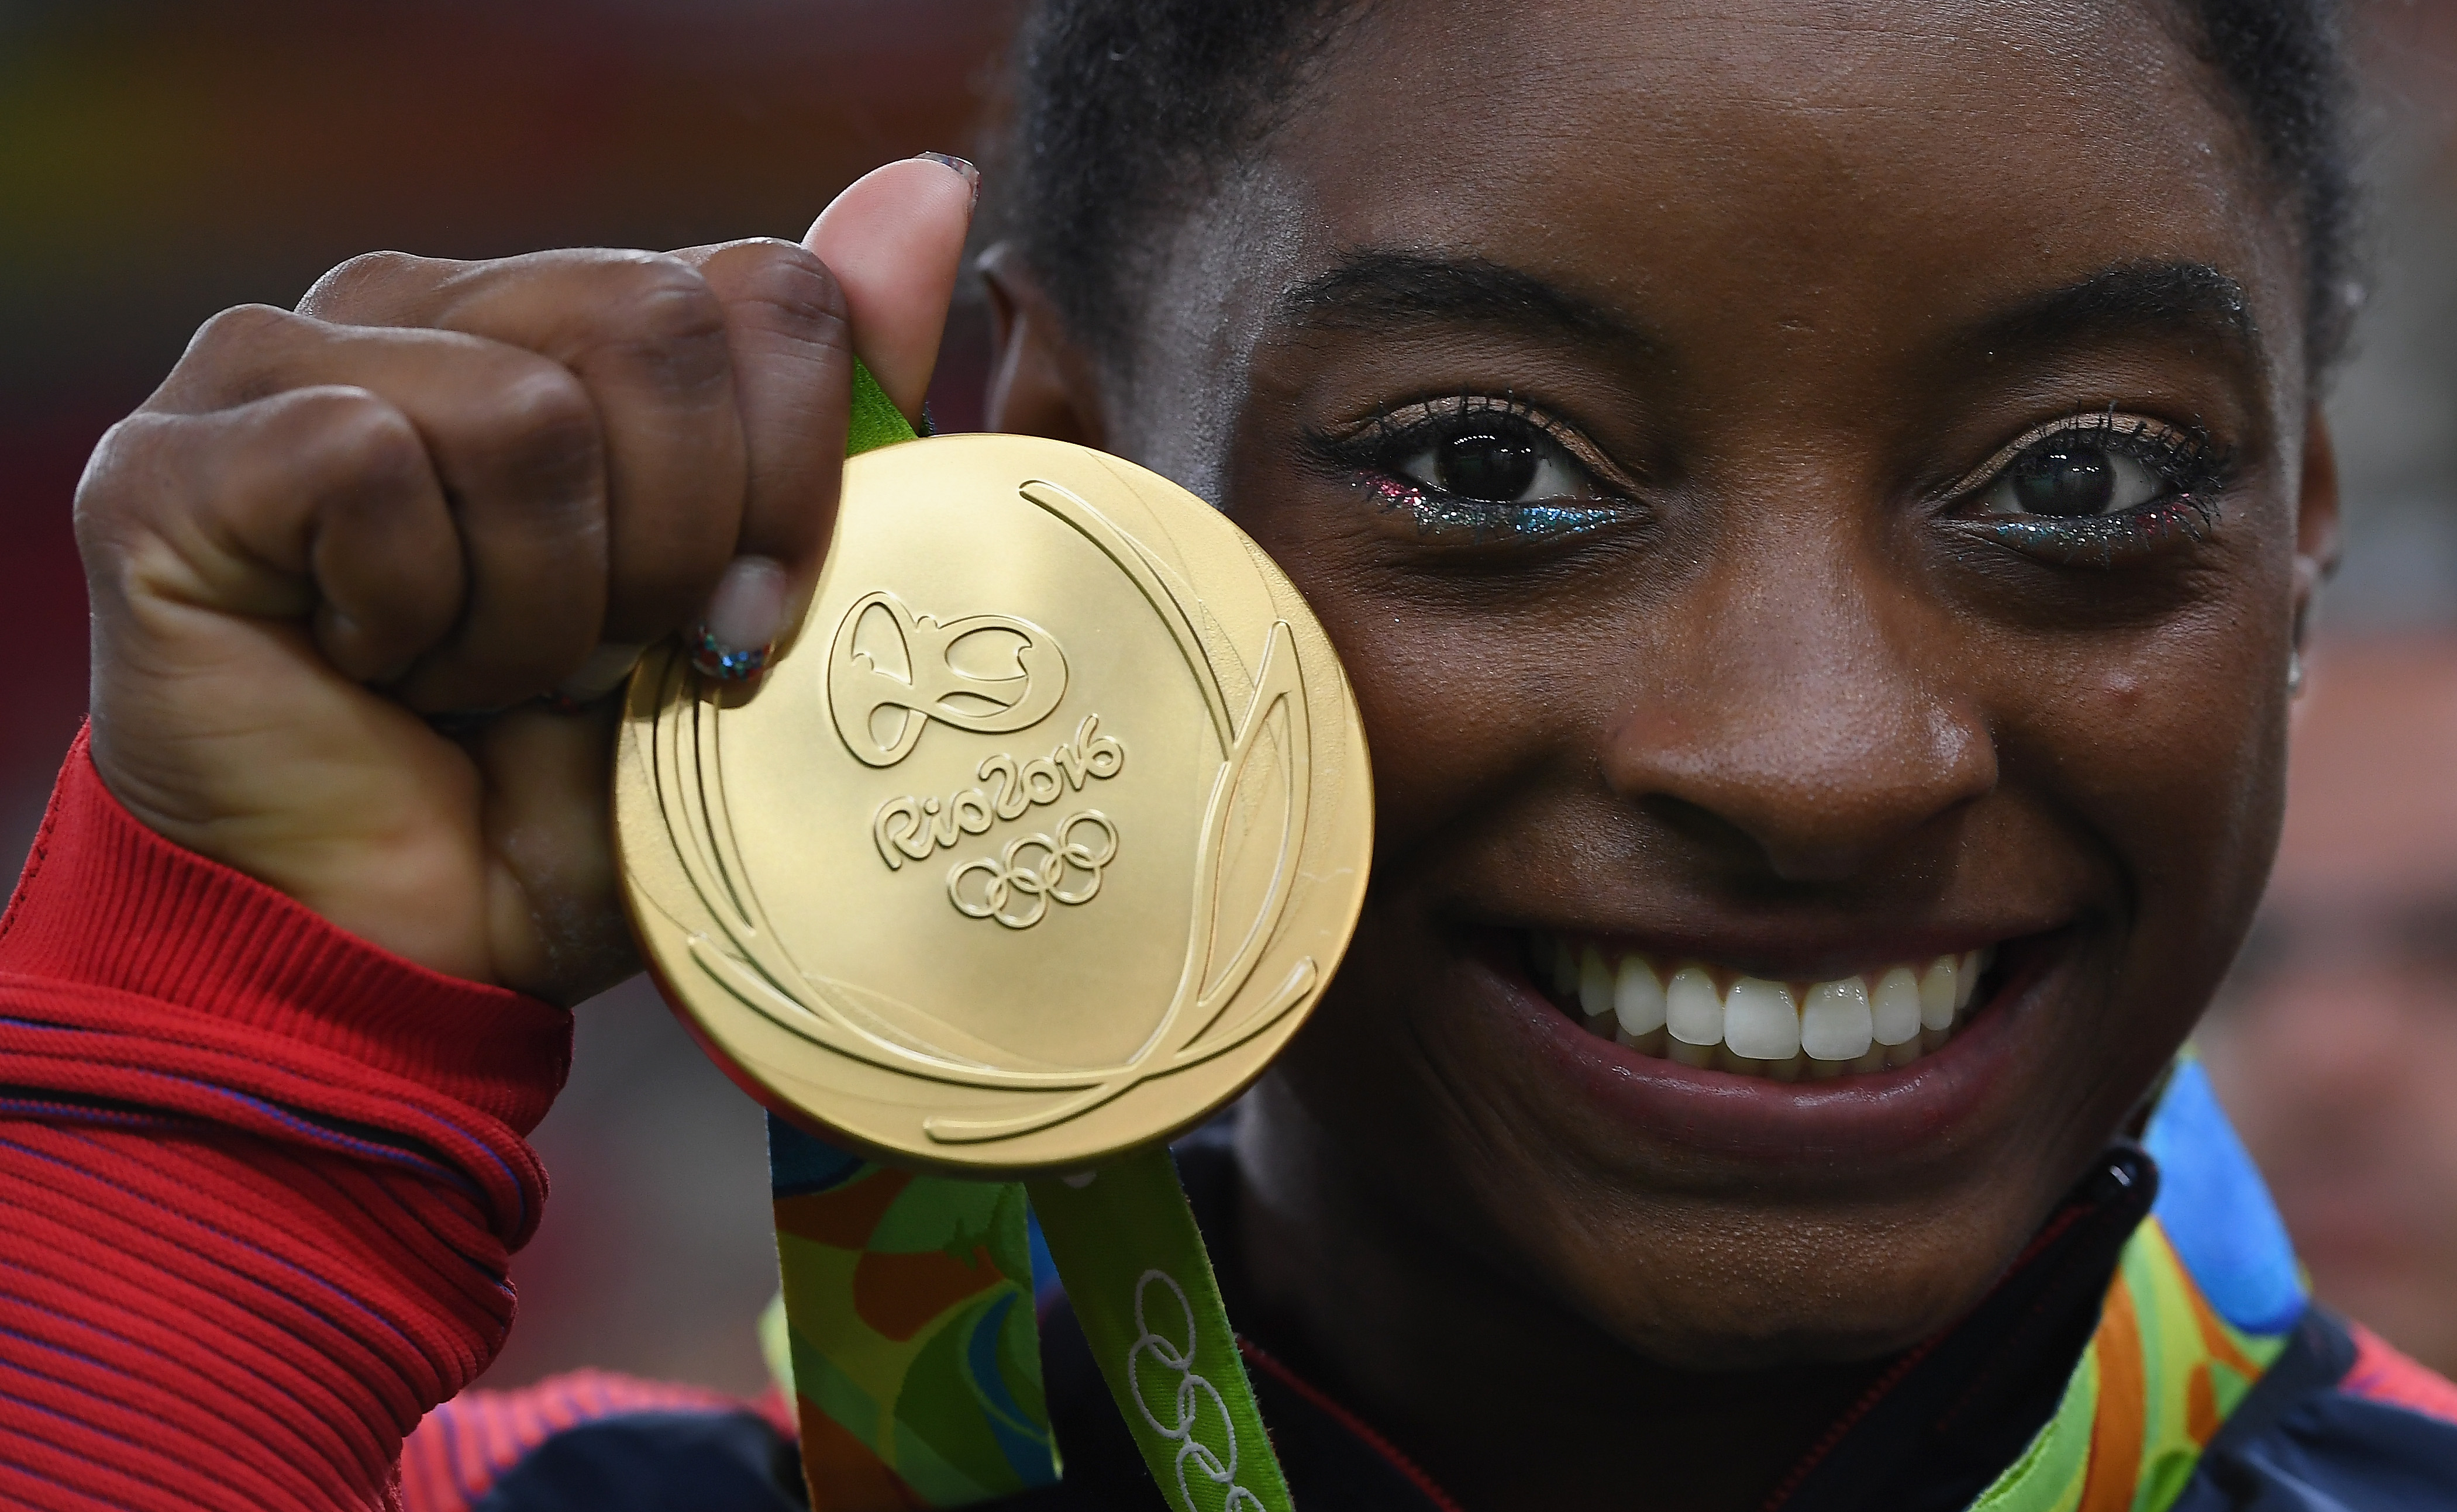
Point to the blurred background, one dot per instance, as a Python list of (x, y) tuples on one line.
[(160, 161)]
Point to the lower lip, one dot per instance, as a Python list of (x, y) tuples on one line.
[(1869, 1116)]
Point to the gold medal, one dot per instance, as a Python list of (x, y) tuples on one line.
[(1037, 847)]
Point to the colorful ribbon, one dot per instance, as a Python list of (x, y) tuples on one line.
[(913, 1354)]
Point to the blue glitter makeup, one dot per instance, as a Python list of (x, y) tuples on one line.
[(2106, 541), (2098, 489), (1446, 517), (1472, 470)]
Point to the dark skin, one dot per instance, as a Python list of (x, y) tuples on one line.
[(1792, 711), (1792, 692)]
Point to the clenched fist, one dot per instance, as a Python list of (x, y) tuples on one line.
[(339, 556)]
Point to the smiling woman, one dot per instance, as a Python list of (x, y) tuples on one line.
[(1818, 511), (1818, 507), (1801, 527)]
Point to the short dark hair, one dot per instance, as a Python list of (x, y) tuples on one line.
[(1115, 101)]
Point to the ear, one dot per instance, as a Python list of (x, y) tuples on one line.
[(2316, 520), (1041, 383)]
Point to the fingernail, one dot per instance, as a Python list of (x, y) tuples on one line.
[(972, 174), (601, 674), (744, 616)]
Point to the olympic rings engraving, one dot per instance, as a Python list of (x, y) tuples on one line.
[(1194, 1401), (1017, 886)]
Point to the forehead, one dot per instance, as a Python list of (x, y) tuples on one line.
[(1836, 165)]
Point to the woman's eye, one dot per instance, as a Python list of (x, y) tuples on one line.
[(2071, 477), (1496, 465), (1480, 473), (2097, 490)]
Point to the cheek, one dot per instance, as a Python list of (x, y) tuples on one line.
[(1447, 721), (1459, 703), (2164, 751), (2144, 713)]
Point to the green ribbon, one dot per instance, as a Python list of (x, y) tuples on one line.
[(1141, 1286), (877, 421), (908, 1342)]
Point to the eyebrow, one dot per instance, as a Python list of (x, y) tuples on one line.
[(1372, 289), (2179, 297), (1375, 290)]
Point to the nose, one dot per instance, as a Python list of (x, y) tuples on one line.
[(1803, 709)]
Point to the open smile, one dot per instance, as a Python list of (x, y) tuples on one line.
[(1691, 1082), (1705, 1014)]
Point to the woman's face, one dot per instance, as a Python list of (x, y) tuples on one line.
[(1801, 492)]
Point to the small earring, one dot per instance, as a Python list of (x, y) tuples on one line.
[(2295, 673)]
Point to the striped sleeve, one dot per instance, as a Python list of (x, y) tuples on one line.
[(261, 1180), (466, 1444)]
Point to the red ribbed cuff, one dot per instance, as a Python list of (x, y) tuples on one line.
[(105, 902)]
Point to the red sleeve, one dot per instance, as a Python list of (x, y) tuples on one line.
[(261, 1181)]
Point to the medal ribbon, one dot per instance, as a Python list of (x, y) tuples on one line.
[(909, 1340), (1142, 1287)]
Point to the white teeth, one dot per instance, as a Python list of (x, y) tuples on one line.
[(1638, 997), (1693, 1010), (1836, 1022), (1854, 1024), (1894, 1008), (1595, 983), (1761, 1021), (1936, 992)]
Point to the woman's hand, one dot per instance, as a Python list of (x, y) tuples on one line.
[(448, 488)]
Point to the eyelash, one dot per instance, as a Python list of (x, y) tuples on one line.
[(1373, 452), (2195, 469)]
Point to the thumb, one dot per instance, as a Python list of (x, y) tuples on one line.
[(894, 240)]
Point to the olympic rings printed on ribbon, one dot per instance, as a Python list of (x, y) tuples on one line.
[(1033, 869), (1193, 1400)]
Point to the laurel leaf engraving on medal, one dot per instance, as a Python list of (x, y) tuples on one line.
[(1254, 840), (1151, 927)]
